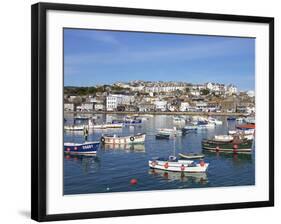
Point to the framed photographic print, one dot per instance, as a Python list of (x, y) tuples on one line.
[(139, 111)]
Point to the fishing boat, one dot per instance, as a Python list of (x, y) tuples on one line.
[(236, 145), (192, 155), (170, 131), (81, 148), (178, 165), (74, 127), (115, 139), (191, 127), (162, 136), (214, 121), (246, 127)]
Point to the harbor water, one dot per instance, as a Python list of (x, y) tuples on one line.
[(113, 168)]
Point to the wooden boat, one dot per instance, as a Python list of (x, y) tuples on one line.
[(81, 148), (162, 136), (192, 155), (115, 139), (177, 165), (237, 145), (74, 127)]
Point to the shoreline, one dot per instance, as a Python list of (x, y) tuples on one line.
[(157, 113)]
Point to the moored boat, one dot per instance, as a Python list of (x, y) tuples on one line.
[(162, 136), (246, 126), (131, 139), (81, 148), (170, 131), (177, 165), (191, 155), (231, 118), (214, 120), (74, 127), (236, 145)]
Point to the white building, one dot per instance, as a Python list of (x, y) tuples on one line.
[(184, 106), (68, 106), (112, 101), (160, 105), (87, 106), (231, 89), (99, 107)]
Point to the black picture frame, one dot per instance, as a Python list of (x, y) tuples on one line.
[(38, 108)]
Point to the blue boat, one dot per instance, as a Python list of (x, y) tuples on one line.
[(231, 118), (81, 148)]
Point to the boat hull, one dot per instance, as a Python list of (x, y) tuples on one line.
[(180, 166), (220, 146), (136, 139), (85, 148)]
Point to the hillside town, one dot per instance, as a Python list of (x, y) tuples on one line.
[(148, 96)]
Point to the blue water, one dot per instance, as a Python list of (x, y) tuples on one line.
[(113, 167)]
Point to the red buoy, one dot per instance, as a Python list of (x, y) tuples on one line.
[(235, 146), (133, 181), (166, 165)]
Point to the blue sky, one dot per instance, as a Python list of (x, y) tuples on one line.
[(94, 57)]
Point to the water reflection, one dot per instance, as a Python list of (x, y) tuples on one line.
[(87, 162), (198, 178), (135, 147)]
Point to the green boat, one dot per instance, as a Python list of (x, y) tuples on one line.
[(232, 146)]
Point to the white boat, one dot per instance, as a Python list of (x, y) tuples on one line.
[(178, 119), (170, 131), (239, 119), (214, 121), (92, 125), (131, 139), (250, 120), (192, 155), (205, 125), (74, 127), (177, 165)]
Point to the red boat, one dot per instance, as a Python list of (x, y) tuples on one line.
[(246, 126)]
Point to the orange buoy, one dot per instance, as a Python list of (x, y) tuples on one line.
[(133, 181)]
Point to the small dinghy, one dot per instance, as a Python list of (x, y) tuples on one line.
[(81, 148), (192, 155), (162, 136), (177, 165)]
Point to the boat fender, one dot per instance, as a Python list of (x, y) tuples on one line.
[(102, 139), (182, 167), (166, 165), (153, 163), (235, 146), (132, 138), (217, 148)]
